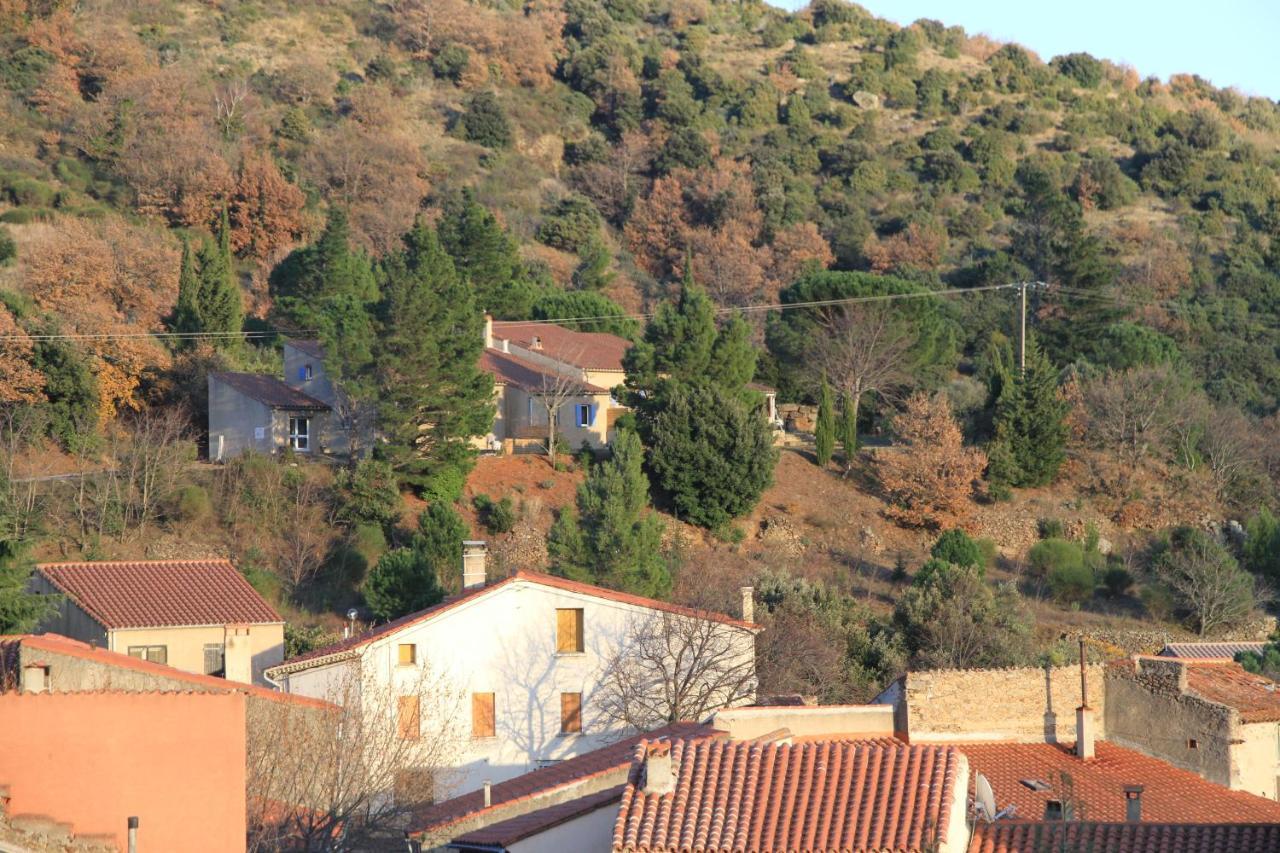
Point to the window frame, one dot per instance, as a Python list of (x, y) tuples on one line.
[(413, 654), (492, 714), (221, 649), (144, 653), (579, 619), (582, 415), (300, 442), (570, 713)]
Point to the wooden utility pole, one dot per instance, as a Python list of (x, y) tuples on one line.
[(1022, 334)]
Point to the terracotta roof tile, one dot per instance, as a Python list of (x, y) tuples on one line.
[(350, 645), (1088, 837), (271, 391), (1219, 651), (508, 832), (1255, 697), (161, 593), (546, 780), (829, 796), (592, 350), (522, 374), (1098, 784)]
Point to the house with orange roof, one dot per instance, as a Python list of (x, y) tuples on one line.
[(529, 657), (200, 616)]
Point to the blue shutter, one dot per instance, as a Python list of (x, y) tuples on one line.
[(302, 374), (591, 414)]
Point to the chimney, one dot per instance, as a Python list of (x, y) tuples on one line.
[(659, 773), (537, 343), (488, 330), (488, 793), (506, 345), (1084, 714), (237, 654), (1133, 803), (473, 563), (748, 604)]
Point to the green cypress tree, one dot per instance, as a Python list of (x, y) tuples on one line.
[(847, 429), (219, 306), (486, 255), (824, 434), (20, 609), (186, 315), (1031, 427)]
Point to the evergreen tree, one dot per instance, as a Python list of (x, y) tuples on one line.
[(186, 315), (486, 255), (1031, 428), (406, 580), (847, 429), (426, 366), (825, 433), (20, 609), (218, 306), (612, 538)]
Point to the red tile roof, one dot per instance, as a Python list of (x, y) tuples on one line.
[(1253, 696), (511, 370), (1087, 837), (1218, 651), (548, 780), (271, 391), (58, 644), (161, 593), (508, 832), (830, 796), (1171, 795), (350, 645), (591, 350)]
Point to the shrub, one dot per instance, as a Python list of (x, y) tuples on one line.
[(451, 61), (192, 503), (1158, 600), (956, 547), (1071, 582), (8, 248), (496, 516), (300, 639), (485, 122), (1054, 554), (1118, 581), (1051, 528), (571, 224)]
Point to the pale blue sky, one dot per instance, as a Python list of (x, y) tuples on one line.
[(1230, 42)]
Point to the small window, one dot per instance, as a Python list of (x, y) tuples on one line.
[(1193, 744), (300, 434), (584, 414), (482, 717), (570, 713), (155, 654), (408, 654), (215, 659), (569, 630), (408, 725)]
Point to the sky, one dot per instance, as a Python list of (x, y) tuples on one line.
[(1229, 42)]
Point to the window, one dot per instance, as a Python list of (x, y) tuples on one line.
[(408, 654), (584, 414), (300, 433), (408, 726), (569, 630), (155, 654), (482, 719), (214, 659), (1193, 744), (570, 713)]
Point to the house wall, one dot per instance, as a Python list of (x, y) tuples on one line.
[(865, 721), (1024, 704), (234, 418), (591, 831), (319, 386), (69, 620), (505, 643), (174, 760), (186, 645), (517, 419), (1256, 759)]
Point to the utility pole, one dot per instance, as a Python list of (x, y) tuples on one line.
[(1022, 335)]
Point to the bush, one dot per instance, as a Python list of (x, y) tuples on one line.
[(192, 503), (571, 224), (485, 122), (956, 547), (451, 61), (300, 639), (1158, 600), (369, 494), (8, 248), (1054, 554), (496, 516), (1118, 581), (1051, 528), (1071, 582)]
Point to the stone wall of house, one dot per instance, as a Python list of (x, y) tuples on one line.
[(1023, 704)]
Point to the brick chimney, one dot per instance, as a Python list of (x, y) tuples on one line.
[(474, 559), (1084, 714), (748, 604), (659, 773)]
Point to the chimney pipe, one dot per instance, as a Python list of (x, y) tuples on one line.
[(1133, 803), (488, 330), (748, 604), (474, 571), (133, 835), (659, 774), (1084, 714), (488, 793)]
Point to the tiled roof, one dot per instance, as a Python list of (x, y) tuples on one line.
[(315, 349), (161, 593), (765, 797), (511, 370), (1089, 837), (1221, 651), (354, 643), (592, 350), (616, 756), (58, 644), (271, 391), (508, 832), (1098, 784), (1255, 697)]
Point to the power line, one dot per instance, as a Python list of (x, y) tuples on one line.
[(180, 335)]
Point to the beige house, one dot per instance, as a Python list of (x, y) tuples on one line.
[(200, 616)]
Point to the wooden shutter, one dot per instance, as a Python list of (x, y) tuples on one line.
[(408, 725), (570, 712), (482, 717), (569, 629)]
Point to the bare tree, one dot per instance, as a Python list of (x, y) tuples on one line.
[(21, 487), (350, 776), (1132, 413), (556, 388), (674, 667), (1232, 452), (151, 461), (1207, 581)]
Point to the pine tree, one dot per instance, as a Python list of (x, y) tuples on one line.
[(426, 366), (824, 435), (410, 579), (847, 429), (219, 306), (186, 315), (1031, 428), (486, 255)]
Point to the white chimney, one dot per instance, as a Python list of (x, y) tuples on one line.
[(1084, 714), (748, 604), (506, 345), (488, 331), (488, 793), (474, 571), (659, 773)]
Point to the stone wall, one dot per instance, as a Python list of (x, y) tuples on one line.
[(1025, 704)]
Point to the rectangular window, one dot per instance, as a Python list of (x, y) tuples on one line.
[(408, 725), (583, 414), (408, 654), (214, 659), (155, 654), (482, 717), (569, 630), (300, 434), (570, 713)]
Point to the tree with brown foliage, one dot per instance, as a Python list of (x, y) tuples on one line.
[(928, 479), (916, 247), (265, 210), (19, 381)]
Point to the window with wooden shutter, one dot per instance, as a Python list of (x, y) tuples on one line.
[(569, 630), (408, 654), (482, 717), (408, 723), (570, 713)]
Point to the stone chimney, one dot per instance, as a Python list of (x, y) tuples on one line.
[(748, 604), (488, 330), (1084, 714), (1133, 803), (474, 558), (237, 655), (659, 773)]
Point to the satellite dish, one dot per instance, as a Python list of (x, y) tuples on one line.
[(986, 797)]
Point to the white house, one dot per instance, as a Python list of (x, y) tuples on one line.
[(526, 655)]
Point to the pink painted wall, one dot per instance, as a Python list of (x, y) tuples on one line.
[(176, 760)]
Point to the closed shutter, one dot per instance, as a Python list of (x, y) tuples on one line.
[(214, 657), (408, 723), (569, 629), (570, 713), (482, 716), (591, 414)]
